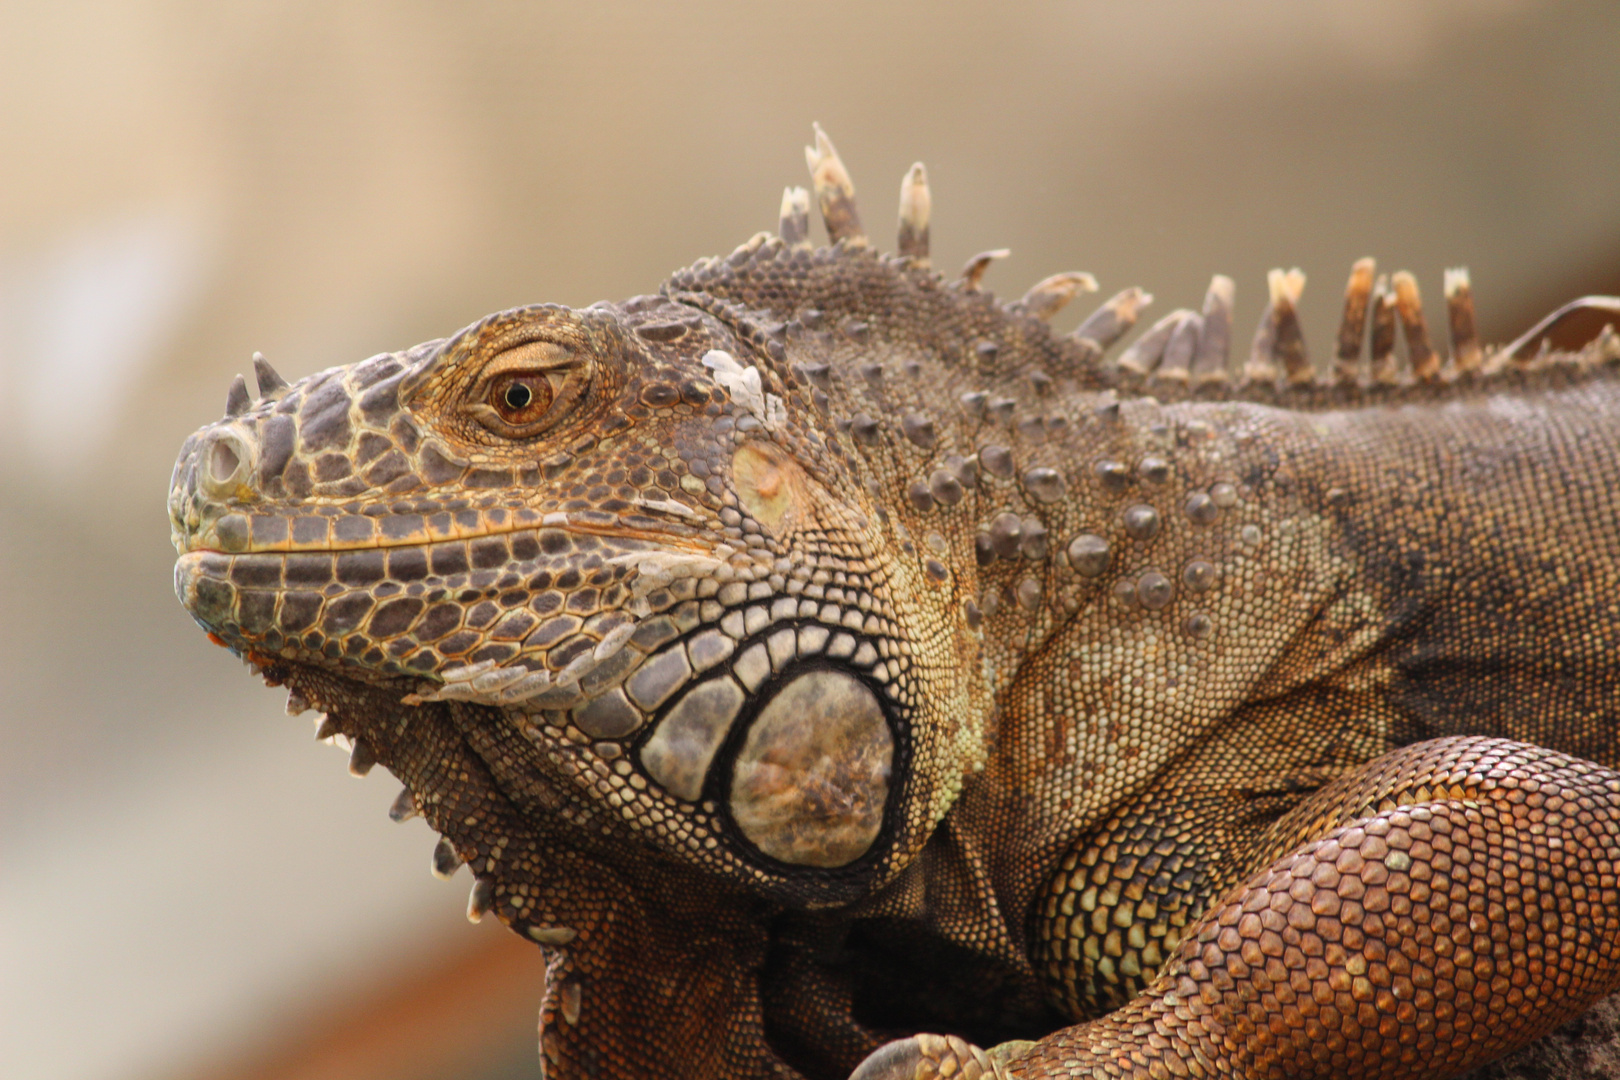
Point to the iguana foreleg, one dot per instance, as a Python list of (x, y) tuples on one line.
[(1441, 906)]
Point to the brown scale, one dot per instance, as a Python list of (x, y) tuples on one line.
[(822, 652)]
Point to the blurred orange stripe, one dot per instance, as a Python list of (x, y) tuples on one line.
[(473, 1013)]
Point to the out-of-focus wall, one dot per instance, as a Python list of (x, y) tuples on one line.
[(184, 878)]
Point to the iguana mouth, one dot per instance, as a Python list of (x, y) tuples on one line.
[(304, 602), (414, 610), (246, 533)]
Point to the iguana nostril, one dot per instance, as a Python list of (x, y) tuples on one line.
[(224, 465), (223, 461)]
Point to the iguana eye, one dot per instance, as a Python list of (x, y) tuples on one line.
[(520, 397), (527, 388)]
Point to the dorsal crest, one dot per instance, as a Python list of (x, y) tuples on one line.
[(1384, 351)]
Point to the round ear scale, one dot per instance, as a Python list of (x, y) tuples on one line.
[(811, 780)]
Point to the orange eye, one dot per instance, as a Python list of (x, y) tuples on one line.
[(520, 398)]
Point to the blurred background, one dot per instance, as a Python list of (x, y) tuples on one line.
[(190, 886)]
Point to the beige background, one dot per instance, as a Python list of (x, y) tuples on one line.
[(188, 884)]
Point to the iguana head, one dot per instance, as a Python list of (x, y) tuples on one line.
[(621, 530)]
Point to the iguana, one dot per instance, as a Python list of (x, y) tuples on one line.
[(832, 668)]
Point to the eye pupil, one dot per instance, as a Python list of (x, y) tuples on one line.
[(518, 396)]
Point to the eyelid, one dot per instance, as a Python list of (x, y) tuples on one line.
[(557, 364), (531, 356)]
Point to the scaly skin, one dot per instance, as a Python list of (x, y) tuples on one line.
[(820, 653)]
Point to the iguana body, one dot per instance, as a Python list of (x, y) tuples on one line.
[(821, 652)]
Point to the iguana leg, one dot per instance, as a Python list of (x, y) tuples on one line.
[(1429, 912), (1124, 899)]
